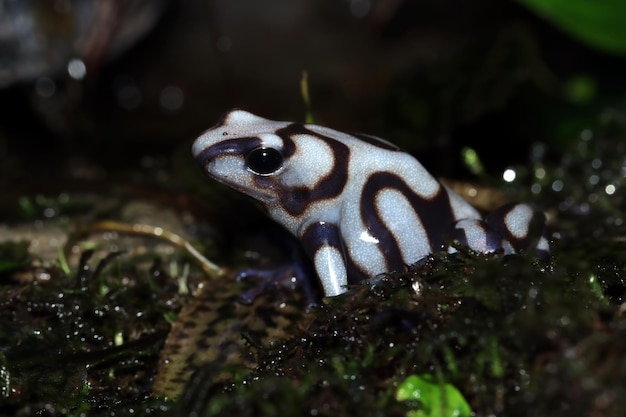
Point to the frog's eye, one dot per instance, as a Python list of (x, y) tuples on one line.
[(264, 161)]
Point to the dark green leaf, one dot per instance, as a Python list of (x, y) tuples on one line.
[(599, 24)]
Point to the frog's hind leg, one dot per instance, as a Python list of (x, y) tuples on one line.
[(512, 228), (523, 227)]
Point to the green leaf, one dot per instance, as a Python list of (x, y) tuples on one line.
[(472, 161), (599, 24), (437, 399)]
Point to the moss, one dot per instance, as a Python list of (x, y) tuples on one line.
[(506, 331)]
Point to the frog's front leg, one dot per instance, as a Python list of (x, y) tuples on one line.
[(292, 274), (323, 243)]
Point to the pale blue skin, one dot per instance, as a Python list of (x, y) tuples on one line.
[(359, 206)]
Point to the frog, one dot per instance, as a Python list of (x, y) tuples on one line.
[(359, 205)]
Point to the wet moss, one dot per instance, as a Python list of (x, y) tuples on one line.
[(81, 342), (505, 331)]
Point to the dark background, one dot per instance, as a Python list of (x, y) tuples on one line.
[(432, 76)]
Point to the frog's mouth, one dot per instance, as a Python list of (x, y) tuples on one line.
[(207, 147)]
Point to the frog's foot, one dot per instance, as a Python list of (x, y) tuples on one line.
[(477, 235), (291, 275)]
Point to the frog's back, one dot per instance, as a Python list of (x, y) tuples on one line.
[(394, 212)]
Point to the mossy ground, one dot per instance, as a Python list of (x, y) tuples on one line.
[(514, 335)]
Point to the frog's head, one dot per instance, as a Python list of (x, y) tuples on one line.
[(283, 165)]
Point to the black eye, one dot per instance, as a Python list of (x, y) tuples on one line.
[(264, 161)]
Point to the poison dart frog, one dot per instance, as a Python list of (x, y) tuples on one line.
[(357, 203)]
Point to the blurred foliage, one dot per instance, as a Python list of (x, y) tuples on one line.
[(13, 255), (599, 24)]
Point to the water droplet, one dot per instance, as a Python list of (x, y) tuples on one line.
[(76, 69), (609, 189), (509, 175)]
